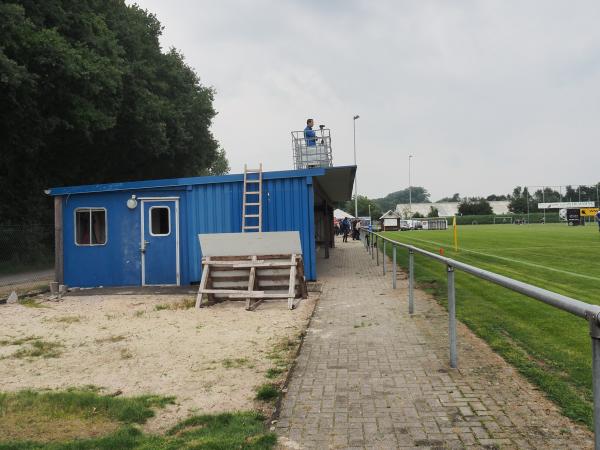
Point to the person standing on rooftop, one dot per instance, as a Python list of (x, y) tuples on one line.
[(309, 135)]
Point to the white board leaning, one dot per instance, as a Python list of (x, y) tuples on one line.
[(250, 244)]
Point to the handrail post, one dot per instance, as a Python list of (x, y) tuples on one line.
[(411, 282), (372, 246), (383, 257), (377, 249), (451, 316), (595, 335), (394, 269)]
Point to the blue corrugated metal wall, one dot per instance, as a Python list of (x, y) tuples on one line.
[(118, 263), (203, 208), (217, 208)]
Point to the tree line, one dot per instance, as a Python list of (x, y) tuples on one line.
[(520, 201), (378, 206), (88, 96)]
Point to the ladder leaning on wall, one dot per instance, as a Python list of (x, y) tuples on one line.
[(252, 208)]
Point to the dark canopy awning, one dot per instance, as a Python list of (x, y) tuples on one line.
[(337, 182)]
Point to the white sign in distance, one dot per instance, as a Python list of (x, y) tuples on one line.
[(555, 205)]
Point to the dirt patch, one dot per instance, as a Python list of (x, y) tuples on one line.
[(211, 359), (27, 427)]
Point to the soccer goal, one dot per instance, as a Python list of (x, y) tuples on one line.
[(502, 220), (434, 223)]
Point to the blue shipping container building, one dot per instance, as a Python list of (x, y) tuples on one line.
[(145, 232)]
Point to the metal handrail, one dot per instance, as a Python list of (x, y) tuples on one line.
[(581, 309)]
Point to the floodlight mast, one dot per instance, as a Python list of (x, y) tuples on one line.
[(409, 188), (355, 178), (544, 201)]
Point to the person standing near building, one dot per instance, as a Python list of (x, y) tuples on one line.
[(356, 230), (345, 229)]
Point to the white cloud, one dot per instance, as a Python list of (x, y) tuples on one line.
[(486, 94)]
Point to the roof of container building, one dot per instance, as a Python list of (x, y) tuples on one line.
[(336, 182), (391, 214)]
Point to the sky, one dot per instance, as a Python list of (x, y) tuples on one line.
[(485, 94)]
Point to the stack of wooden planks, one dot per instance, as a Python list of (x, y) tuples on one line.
[(253, 278)]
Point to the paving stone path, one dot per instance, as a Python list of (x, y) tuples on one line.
[(371, 376)]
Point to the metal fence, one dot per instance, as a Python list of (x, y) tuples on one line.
[(586, 311), (26, 259)]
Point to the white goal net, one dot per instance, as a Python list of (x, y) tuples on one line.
[(502, 220)]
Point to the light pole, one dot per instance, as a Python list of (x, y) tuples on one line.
[(355, 180), (409, 188)]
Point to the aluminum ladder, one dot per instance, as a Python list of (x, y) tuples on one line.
[(252, 200)]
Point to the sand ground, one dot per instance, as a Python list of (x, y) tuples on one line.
[(211, 359)]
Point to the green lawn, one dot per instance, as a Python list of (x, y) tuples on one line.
[(550, 347)]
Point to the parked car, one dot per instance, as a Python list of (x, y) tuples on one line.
[(406, 225)]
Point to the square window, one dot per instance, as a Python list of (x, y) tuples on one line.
[(90, 226), (160, 223), (82, 225), (98, 227)]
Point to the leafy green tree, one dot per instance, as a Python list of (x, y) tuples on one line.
[(363, 207), (571, 194), (433, 212), (474, 206), (581, 193), (219, 166), (546, 195), (521, 201), (417, 194), (454, 199), (87, 96), (590, 192), (495, 198)]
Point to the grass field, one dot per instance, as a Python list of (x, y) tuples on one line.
[(550, 347)]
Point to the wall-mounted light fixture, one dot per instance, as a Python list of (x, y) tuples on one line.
[(132, 202)]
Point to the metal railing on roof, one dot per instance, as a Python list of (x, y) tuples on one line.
[(576, 307), (309, 151)]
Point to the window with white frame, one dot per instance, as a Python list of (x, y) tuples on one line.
[(160, 221), (90, 226)]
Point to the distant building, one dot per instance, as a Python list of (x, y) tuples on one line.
[(390, 221), (447, 209)]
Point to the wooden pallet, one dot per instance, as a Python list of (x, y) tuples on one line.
[(253, 278)]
